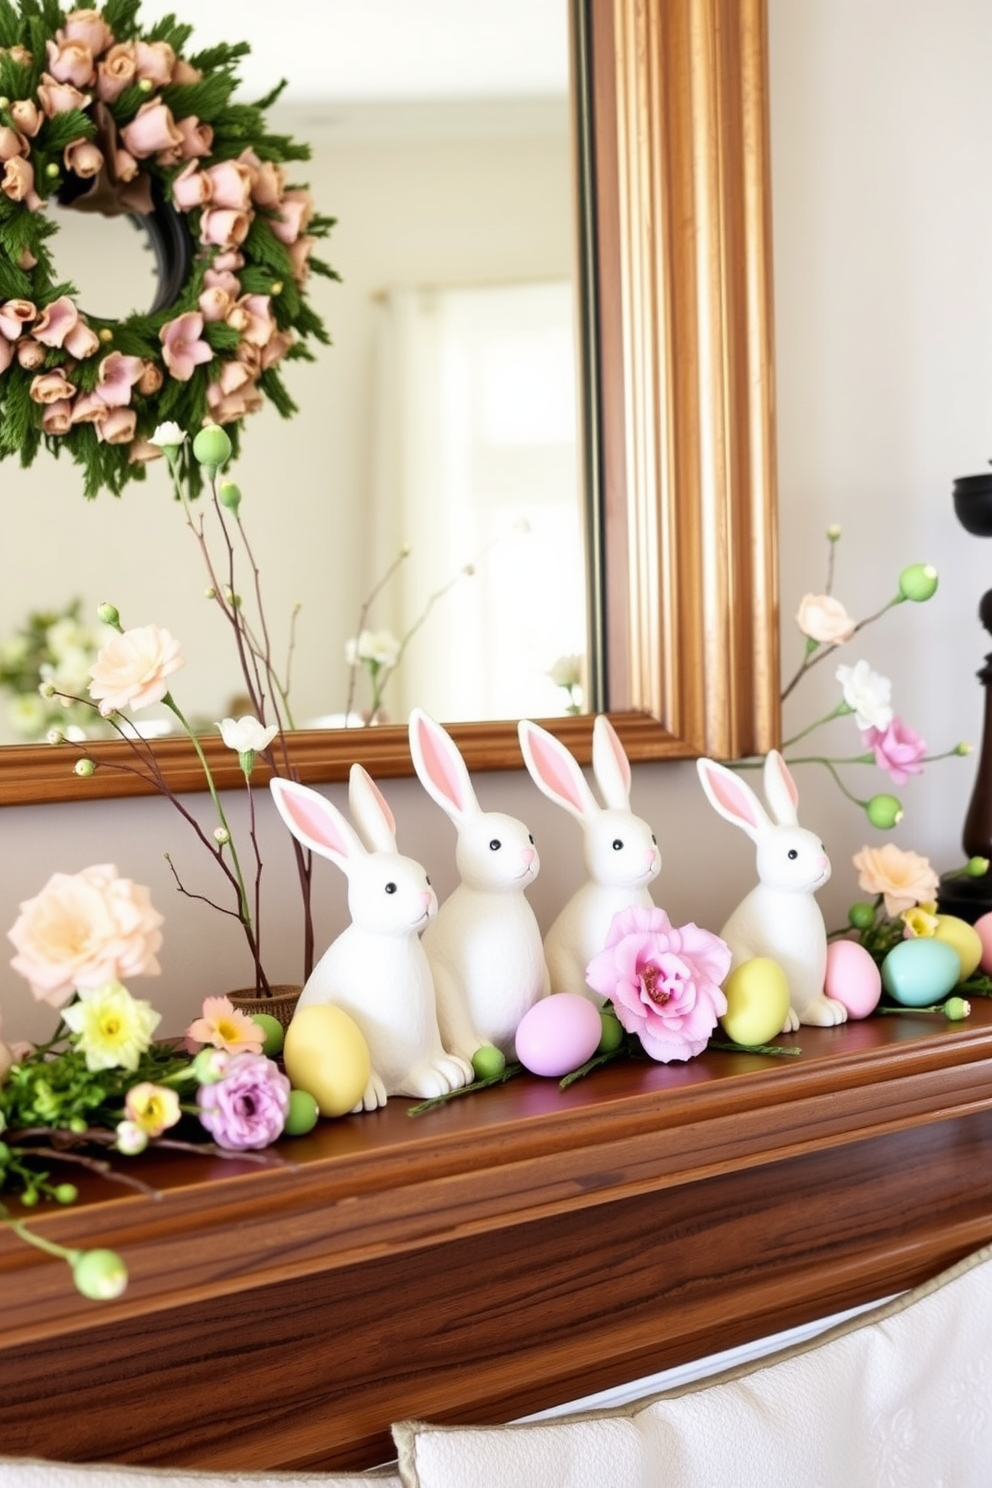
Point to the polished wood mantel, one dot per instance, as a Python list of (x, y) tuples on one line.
[(513, 1249)]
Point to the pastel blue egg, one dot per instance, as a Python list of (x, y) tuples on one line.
[(919, 972)]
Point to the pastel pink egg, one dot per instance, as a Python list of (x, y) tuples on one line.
[(983, 925), (558, 1034), (852, 977)]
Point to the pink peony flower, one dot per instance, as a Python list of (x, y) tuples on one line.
[(226, 1027), (898, 749), (904, 879), (183, 349), (247, 1108), (152, 129), (133, 669), (84, 930), (663, 981)]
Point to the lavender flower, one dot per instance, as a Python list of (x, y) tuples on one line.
[(247, 1108)]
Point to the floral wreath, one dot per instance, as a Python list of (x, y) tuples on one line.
[(107, 118)]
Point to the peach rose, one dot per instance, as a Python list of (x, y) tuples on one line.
[(268, 184), (214, 304), (151, 379), (155, 61), (902, 878), (18, 183), (118, 427), (116, 71), (30, 353), (57, 417), (230, 182), (125, 165), (824, 619), (56, 321), (198, 138), (223, 227), (185, 72), (276, 348), (222, 279), (84, 930), (50, 387), (27, 116), (299, 254), (70, 62), (81, 341), (133, 669), (191, 188), (142, 450), (152, 129), (6, 354), (12, 143), (14, 316), (291, 216), (59, 98), (89, 409), (89, 27), (82, 158)]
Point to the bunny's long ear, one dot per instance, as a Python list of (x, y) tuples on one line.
[(610, 765), (780, 790), (440, 767), (555, 771), (315, 822), (732, 798), (370, 811)]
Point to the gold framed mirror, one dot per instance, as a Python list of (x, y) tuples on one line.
[(672, 145)]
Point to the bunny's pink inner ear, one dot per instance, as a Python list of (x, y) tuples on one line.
[(612, 739), (554, 771), (735, 797), (785, 775), (321, 827), (380, 802), (445, 771)]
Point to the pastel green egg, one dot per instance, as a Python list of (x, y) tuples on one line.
[(964, 938), (488, 1062), (919, 972), (274, 1033)]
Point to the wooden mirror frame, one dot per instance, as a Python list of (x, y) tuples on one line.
[(675, 262)]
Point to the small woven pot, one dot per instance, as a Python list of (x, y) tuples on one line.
[(281, 1004)]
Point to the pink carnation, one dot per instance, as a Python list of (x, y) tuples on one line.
[(247, 1108), (84, 930), (897, 748), (663, 981)]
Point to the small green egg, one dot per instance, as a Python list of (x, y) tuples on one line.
[(274, 1033), (302, 1114), (612, 1035), (487, 1062)]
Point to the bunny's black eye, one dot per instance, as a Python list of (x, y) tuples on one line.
[(495, 845), (617, 844), (390, 888), (530, 838), (654, 840), (793, 853)]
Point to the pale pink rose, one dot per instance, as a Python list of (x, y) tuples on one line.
[(183, 349), (185, 72), (125, 165), (70, 62), (230, 182), (230, 259), (133, 669), (59, 98), (224, 227), (27, 116), (250, 357), (299, 254), (89, 27), (191, 188), (82, 340), (233, 377), (14, 316), (89, 408), (82, 158), (30, 354), (150, 381), (12, 143), (268, 184), (116, 72), (291, 216), (664, 981), (258, 326), (214, 304), (276, 348), (142, 450), (155, 61), (56, 321), (84, 930), (152, 129), (117, 376), (118, 427), (18, 183), (198, 138), (825, 620), (215, 278), (902, 878), (49, 387), (57, 417), (898, 749)]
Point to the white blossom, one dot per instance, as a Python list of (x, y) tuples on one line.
[(867, 694), (246, 734)]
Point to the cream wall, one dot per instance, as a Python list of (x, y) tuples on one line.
[(881, 127)]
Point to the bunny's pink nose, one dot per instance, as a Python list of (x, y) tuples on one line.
[(427, 895), (528, 856)]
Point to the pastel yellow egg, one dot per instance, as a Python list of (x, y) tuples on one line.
[(326, 1055), (757, 994), (964, 938)]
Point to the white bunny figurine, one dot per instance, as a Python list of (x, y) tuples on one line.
[(484, 947), (621, 851), (376, 970), (780, 917)]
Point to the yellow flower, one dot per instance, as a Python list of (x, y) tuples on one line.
[(226, 1027), (113, 1028), (151, 1108), (921, 921)]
